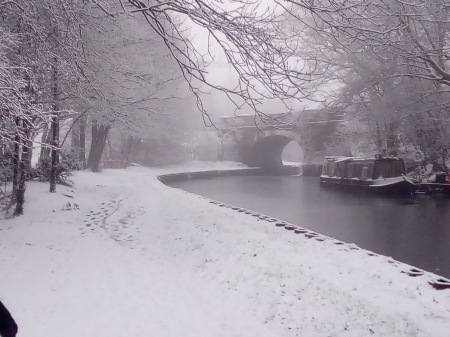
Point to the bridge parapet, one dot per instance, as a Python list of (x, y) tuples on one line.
[(289, 120), (261, 142)]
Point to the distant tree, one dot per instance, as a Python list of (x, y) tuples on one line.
[(18, 111), (250, 35), (40, 41), (386, 61), (138, 90), (414, 32)]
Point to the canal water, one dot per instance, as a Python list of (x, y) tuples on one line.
[(415, 232)]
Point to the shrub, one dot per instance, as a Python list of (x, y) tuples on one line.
[(68, 163), (6, 167)]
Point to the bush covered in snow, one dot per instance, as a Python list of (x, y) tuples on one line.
[(68, 163), (6, 167)]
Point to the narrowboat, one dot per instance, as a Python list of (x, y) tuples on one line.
[(439, 184), (378, 174)]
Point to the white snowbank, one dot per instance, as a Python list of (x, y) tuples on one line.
[(193, 166), (143, 259), (292, 163)]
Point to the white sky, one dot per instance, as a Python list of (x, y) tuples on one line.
[(222, 73)]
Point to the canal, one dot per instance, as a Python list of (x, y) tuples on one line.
[(417, 233)]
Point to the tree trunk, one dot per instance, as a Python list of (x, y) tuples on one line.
[(110, 149), (94, 141), (391, 139), (99, 136), (103, 138), (444, 157), (379, 140), (30, 151), (128, 150), (55, 128), (22, 172), (55, 153), (134, 157), (75, 143), (16, 156), (123, 152), (82, 152), (44, 139)]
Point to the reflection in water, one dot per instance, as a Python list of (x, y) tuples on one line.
[(417, 234)]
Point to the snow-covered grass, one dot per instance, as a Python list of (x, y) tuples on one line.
[(142, 259), (194, 165), (292, 163)]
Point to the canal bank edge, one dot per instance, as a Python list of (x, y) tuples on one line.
[(436, 281)]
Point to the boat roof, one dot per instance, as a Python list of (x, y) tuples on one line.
[(339, 159)]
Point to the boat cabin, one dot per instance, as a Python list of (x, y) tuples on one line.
[(363, 168), (385, 175)]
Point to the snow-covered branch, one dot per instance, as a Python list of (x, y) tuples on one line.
[(248, 34)]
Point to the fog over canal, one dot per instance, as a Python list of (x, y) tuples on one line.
[(417, 234)]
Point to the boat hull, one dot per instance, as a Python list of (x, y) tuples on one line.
[(436, 188), (398, 186)]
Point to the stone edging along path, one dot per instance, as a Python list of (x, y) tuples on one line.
[(436, 282)]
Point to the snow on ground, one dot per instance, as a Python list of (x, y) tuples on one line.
[(194, 165), (142, 259), (292, 163)]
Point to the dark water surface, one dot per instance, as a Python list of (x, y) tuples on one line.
[(417, 234)]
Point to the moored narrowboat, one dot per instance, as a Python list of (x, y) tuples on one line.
[(437, 184), (378, 174)]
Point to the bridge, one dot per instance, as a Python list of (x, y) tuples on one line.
[(259, 142)]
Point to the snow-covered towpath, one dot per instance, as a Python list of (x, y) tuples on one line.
[(142, 259)]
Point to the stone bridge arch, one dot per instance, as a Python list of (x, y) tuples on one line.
[(267, 149), (258, 144)]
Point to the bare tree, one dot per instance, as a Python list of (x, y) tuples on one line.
[(249, 35), (18, 111), (387, 61), (31, 95), (138, 90), (416, 32)]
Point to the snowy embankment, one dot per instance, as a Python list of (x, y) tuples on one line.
[(193, 166), (142, 259)]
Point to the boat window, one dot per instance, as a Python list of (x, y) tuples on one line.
[(337, 172), (357, 170), (349, 171), (369, 174), (341, 170), (330, 170), (398, 168), (382, 169), (325, 168), (365, 171)]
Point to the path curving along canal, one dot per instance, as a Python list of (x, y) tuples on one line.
[(416, 233)]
